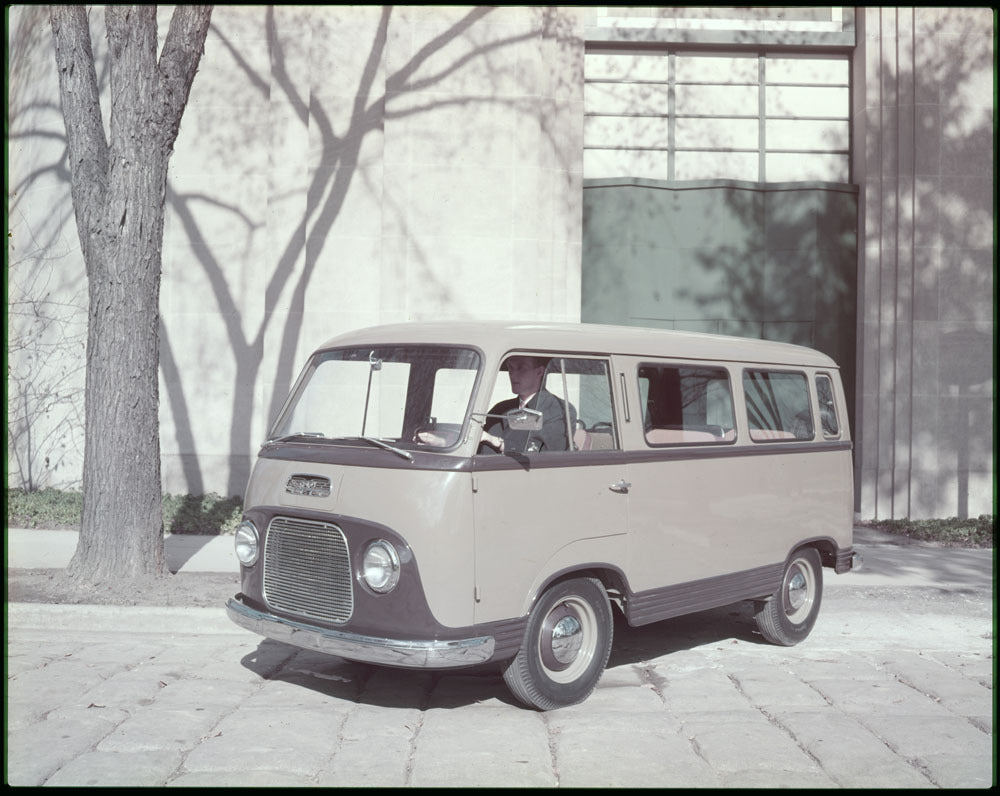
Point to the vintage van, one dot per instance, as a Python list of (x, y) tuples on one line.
[(408, 510)]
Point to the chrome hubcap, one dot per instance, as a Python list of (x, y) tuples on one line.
[(798, 591), (567, 638)]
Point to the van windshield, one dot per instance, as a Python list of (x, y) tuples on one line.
[(412, 397)]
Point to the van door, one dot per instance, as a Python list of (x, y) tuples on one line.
[(684, 525), (555, 498)]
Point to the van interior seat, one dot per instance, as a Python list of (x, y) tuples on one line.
[(675, 436), (599, 440), (769, 434)]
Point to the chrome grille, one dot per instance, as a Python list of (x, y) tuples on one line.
[(307, 569)]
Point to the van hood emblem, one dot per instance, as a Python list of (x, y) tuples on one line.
[(308, 485)]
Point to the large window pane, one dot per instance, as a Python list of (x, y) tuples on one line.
[(609, 163), (626, 131), (819, 71), (806, 168), (715, 100), (626, 98), (778, 406), (802, 101), (686, 405), (718, 133), (717, 166), (616, 66), (803, 134), (717, 69)]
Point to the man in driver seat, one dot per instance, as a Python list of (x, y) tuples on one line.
[(526, 376)]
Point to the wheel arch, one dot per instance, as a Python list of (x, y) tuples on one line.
[(611, 577), (826, 546)]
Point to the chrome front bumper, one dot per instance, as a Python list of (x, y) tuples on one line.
[(367, 649)]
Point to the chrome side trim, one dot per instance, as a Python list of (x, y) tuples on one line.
[(367, 649)]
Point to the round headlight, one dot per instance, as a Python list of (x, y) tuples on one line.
[(247, 543), (380, 566)]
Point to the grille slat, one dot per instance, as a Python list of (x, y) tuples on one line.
[(307, 569)]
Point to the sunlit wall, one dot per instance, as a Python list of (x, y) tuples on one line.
[(345, 166)]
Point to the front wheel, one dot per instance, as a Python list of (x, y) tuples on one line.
[(788, 615), (566, 646)]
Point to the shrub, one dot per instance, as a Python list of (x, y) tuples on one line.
[(45, 508), (201, 514), (59, 509), (971, 532)]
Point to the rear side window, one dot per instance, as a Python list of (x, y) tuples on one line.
[(827, 407), (778, 405), (685, 405)]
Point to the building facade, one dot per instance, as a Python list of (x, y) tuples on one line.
[(819, 175)]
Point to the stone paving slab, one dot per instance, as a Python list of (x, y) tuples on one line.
[(869, 700)]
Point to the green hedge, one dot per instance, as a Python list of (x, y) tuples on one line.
[(55, 508), (971, 532)]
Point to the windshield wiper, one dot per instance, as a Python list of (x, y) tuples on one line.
[(386, 446), (286, 437)]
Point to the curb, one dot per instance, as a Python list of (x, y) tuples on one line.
[(121, 619), (45, 549)]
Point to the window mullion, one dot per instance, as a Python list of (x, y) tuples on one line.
[(671, 115), (761, 118)]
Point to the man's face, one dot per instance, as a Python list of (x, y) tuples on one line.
[(525, 376)]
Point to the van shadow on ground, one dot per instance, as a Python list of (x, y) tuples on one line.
[(730, 623), (325, 676)]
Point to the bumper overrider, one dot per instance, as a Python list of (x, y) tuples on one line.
[(411, 654)]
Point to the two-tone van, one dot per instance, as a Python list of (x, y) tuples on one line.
[(449, 495)]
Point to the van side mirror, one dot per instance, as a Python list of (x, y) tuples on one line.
[(525, 419)]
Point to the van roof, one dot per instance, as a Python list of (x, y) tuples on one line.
[(585, 338)]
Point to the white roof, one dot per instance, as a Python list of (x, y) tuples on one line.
[(499, 337)]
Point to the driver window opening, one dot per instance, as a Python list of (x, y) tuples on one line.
[(572, 394)]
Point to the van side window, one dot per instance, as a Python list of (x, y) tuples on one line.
[(574, 398), (686, 405), (777, 405), (586, 385), (827, 406)]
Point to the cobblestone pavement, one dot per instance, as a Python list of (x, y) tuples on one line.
[(894, 688)]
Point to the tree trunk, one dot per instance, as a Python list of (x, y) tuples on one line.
[(119, 190)]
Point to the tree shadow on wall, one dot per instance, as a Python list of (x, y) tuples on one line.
[(270, 69), (406, 91)]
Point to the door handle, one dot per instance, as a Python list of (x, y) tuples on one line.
[(622, 487)]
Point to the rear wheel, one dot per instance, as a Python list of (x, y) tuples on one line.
[(789, 614), (566, 646)]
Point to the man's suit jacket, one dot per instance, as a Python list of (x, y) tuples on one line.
[(551, 437)]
